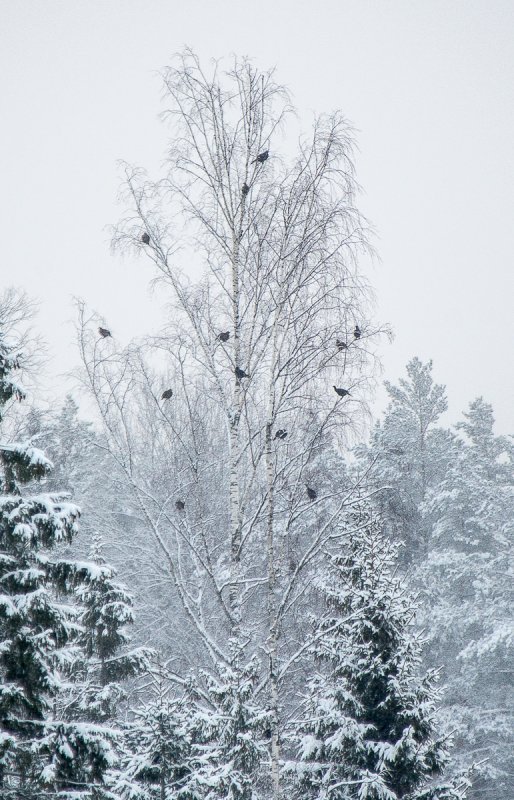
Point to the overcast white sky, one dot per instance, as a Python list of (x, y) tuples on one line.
[(429, 85)]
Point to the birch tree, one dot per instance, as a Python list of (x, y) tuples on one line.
[(255, 243)]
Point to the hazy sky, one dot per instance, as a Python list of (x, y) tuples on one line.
[(429, 85)]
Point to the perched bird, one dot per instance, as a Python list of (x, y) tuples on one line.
[(341, 345), (341, 392), (240, 373), (180, 505), (280, 434), (357, 332), (245, 189), (311, 493), (261, 158), (145, 238), (224, 336), (167, 394), (104, 333)]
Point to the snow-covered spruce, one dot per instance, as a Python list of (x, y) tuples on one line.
[(450, 499), (208, 744), (45, 750), (157, 761), (467, 578), (407, 455), (367, 722), (230, 733)]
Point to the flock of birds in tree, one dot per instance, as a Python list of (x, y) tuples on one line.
[(281, 433), (260, 159), (224, 336)]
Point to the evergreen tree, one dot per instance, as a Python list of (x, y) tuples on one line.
[(208, 744), (106, 611), (229, 732), (34, 628), (82, 468), (367, 728), (408, 454), (157, 762), (467, 580), (43, 751), (100, 661)]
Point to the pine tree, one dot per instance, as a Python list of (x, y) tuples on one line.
[(467, 580), (157, 762), (99, 662), (82, 468), (229, 735), (367, 728), (208, 744), (43, 751), (409, 453), (106, 611), (34, 628)]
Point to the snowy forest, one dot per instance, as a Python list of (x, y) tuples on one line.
[(220, 577)]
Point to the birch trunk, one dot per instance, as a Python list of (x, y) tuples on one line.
[(235, 455), (273, 621)]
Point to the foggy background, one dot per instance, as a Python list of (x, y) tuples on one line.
[(427, 84)]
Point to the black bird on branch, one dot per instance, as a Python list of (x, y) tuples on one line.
[(311, 493), (145, 238), (224, 336), (341, 392), (180, 505), (167, 394), (280, 434), (357, 332), (104, 333), (240, 373), (245, 189), (261, 158), (341, 345)]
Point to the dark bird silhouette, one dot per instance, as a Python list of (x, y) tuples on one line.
[(311, 493), (104, 333), (341, 345), (280, 434), (145, 238), (180, 505), (224, 336), (357, 332), (261, 158), (245, 189), (167, 394), (240, 373), (341, 392)]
